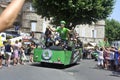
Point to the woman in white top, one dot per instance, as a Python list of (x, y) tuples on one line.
[(100, 57)]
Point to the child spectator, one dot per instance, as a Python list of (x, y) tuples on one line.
[(22, 56), (106, 57)]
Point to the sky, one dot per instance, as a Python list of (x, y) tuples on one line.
[(116, 11)]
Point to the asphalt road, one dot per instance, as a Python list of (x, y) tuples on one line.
[(86, 70)]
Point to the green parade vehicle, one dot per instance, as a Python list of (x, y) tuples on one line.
[(56, 54)]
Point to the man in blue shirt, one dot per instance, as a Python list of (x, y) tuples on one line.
[(117, 55)]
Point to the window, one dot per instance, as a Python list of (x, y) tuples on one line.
[(93, 33), (33, 25), (83, 32)]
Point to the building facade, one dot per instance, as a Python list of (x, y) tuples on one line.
[(28, 21), (3, 5), (91, 33)]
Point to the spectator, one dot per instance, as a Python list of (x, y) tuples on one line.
[(8, 51), (117, 63), (112, 60), (2, 50), (22, 56), (100, 57), (19, 48), (16, 53), (32, 46), (85, 52), (20, 44)]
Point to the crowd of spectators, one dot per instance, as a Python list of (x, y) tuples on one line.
[(107, 57), (14, 54)]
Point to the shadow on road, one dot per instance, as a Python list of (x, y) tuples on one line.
[(115, 74), (97, 67), (54, 66)]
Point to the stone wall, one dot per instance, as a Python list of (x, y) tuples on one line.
[(29, 17), (91, 33), (87, 33)]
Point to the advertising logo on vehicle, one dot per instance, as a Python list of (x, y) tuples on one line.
[(47, 54)]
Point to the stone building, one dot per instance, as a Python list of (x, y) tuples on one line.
[(28, 21), (31, 22), (91, 33), (3, 5)]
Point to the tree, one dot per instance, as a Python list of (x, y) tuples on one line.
[(74, 11), (112, 30)]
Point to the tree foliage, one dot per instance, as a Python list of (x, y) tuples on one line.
[(112, 30), (74, 11)]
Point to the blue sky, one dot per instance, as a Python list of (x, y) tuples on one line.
[(116, 11)]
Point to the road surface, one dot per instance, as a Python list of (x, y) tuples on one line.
[(86, 70)]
